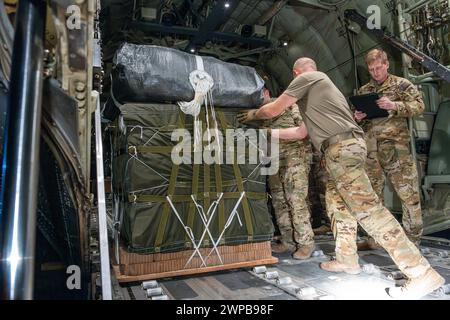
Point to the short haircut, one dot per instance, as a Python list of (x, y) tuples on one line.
[(304, 62), (376, 54)]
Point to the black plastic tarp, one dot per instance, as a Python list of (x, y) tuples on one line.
[(147, 73)]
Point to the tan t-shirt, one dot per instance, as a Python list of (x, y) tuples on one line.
[(323, 107)]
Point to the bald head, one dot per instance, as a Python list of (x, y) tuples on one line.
[(304, 64)]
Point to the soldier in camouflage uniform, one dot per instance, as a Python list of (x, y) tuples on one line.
[(388, 139), (289, 188), (318, 178), (332, 129)]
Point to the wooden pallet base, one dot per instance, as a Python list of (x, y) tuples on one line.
[(124, 278), (139, 267)]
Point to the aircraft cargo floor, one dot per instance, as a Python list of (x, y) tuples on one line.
[(302, 280)]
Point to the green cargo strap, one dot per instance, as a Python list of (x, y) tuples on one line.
[(188, 184), (151, 149), (218, 173), (192, 208), (187, 198), (240, 183), (219, 188), (206, 174), (172, 184)]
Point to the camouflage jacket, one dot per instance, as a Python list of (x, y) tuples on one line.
[(288, 119), (409, 103)]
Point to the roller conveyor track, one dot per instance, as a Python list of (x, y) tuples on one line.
[(300, 280)]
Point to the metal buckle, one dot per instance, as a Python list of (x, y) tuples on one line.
[(132, 150)]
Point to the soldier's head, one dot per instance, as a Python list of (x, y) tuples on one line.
[(303, 65), (378, 64), (266, 95)]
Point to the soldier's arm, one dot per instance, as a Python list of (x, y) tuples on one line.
[(276, 107), (296, 133), (411, 103), (296, 115)]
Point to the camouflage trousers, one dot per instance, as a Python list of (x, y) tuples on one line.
[(395, 160), (352, 200), (289, 191), (318, 178)]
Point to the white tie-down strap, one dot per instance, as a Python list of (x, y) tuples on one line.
[(207, 101), (188, 231), (202, 83), (207, 219), (199, 61)]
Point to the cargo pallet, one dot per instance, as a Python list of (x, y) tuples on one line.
[(135, 267)]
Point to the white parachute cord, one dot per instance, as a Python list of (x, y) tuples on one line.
[(207, 119), (213, 114), (202, 82), (140, 127)]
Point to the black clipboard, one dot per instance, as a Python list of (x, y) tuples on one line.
[(367, 103)]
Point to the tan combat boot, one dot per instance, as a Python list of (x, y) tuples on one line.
[(369, 244), (282, 247), (323, 229), (304, 252), (335, 266), (419, 287)]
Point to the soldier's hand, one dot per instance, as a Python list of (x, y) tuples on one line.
[(386, 103), (359, 115), (247, 116)]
